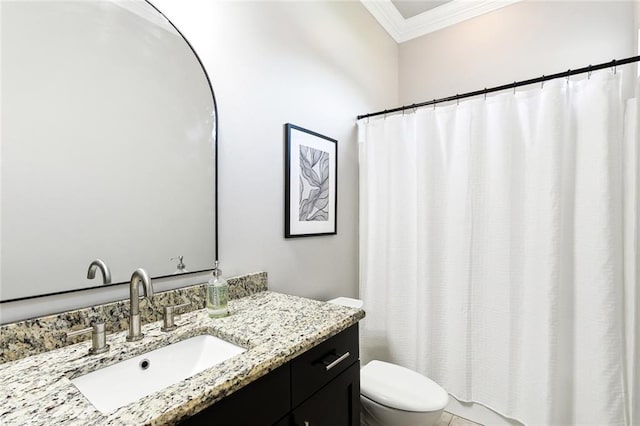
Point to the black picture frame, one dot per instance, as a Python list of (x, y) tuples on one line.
[(311, 183)]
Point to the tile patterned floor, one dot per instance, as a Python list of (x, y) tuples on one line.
[(449, 419)]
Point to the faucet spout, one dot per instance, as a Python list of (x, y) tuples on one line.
[(139, 276), (99, 264)]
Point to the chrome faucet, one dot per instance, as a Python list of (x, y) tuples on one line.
[(139, 275), (99, 264)]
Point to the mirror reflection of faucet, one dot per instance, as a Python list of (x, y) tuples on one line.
[(182, 269), (99, 264), (139, 276)]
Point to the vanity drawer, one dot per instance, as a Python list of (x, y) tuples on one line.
[(320, 364)]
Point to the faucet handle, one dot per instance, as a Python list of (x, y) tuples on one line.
[(98, 337), (79, 332), (168, 320)]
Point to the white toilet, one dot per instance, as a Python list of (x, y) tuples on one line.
[(391, 395)]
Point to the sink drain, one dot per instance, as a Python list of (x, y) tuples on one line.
[(144, 364)]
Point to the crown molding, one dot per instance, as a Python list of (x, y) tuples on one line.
[(401, 29), (387, 15)]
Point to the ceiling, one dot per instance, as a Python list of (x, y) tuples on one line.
[(405, 20), (409, 8)]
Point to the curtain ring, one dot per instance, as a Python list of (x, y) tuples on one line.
[(615, 68), (434, 104), (457, 99), (542, 82), (485, 93), (568, 75), (514, 87), (589, 73)]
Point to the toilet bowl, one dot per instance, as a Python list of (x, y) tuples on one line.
[(391, 395), (397, 396)]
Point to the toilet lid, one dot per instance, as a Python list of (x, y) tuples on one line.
[(400, 388), (346, 301)]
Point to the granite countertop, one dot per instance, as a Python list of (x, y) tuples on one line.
[(273, 327)]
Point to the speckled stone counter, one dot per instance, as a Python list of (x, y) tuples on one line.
[(273, 327)]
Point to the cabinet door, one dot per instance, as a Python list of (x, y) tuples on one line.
[(262, 402), (336, 404)]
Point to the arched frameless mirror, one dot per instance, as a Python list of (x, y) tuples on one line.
[(108, 146)]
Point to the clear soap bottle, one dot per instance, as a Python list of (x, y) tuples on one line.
[(217, 294)]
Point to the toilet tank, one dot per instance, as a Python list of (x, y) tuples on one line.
[(347, 301)]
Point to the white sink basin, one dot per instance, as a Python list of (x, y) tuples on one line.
[(128, 381)]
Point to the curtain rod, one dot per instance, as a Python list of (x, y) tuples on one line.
[(568, 73)]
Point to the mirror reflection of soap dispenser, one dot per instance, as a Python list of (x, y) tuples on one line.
[(182, 269), (217, 294)]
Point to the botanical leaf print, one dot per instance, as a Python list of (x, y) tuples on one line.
[(306, 167), (314, 184)]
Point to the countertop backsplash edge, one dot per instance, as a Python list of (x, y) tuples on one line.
[(34, 336)]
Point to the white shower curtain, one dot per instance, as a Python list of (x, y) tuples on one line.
[(495, 243)]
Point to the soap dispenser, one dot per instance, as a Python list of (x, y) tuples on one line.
[(217, 294), (181, 267)]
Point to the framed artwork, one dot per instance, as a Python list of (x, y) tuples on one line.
[(311, 183)]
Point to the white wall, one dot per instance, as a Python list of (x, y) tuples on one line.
[(314, 64), (518, 42), (521, 41)]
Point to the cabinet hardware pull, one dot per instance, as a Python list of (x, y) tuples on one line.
[(337, 361)]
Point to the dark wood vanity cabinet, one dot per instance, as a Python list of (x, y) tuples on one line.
[(337, 403), (325, 383), (319, 387)]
